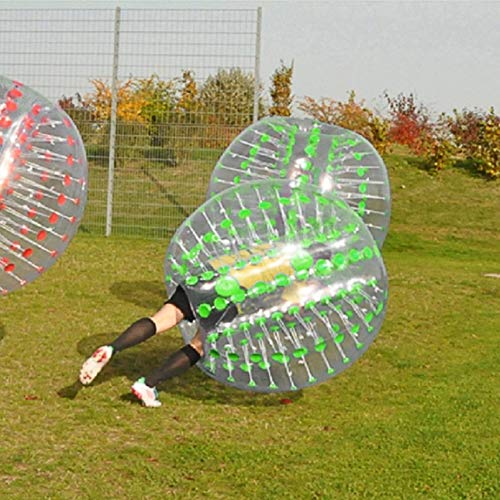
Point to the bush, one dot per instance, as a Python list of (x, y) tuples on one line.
[(410, 123), (281, 91), (351, 115), (486, 150), (477, 138), (464, 127)]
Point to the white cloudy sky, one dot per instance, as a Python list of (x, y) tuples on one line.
[(447, 53)]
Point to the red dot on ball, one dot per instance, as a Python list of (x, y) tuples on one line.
[(10, 105), (61, 200), (28, 122), (41, 235), (53, 218), (9, 268), (14, 93), (28, 253), (5, 122)]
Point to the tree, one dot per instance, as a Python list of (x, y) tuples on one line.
[(281, 90), (188, 102), (227, 97)]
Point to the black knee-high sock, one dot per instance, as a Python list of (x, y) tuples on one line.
[(176, 364), (136, 333)]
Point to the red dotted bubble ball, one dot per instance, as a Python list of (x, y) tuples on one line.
[(43, 183)]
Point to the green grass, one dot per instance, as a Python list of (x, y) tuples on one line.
[(416, 417)]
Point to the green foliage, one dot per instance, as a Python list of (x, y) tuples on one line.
[(188, 103), (487, 148), (281, 91), (352, 115), (227, 97), (477, 137), (437, 147)]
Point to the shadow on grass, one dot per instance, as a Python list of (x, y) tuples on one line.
[(194, 384), (418, 163), (147, 294), (165, 192), (2, 332), (470, 167)]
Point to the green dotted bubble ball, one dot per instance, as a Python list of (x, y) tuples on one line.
[(307, 152), (286, 283)]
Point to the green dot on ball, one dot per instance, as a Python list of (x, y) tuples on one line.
[(300, 352), (192, 280), (302, 261), (226, 286), (323, 267), (207, 275), (279, 357), (204, 310), (220, 303), (244, 213), (238, 296), (282, 279)]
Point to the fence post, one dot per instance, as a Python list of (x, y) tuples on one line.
[(256, 90), (112, 128)]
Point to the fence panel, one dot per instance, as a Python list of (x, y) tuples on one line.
[(184, 85)]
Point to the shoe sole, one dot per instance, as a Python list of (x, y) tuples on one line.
[(138, 395)]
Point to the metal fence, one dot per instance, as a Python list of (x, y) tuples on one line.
[(156, 94)]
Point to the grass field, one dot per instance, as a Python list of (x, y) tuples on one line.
[(416, 417)]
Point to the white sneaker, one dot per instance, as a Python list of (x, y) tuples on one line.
[(91, 368), (147, 395)]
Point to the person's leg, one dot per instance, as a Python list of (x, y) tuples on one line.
[(143, 329), (176, 364)]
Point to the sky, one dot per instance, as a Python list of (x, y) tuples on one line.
[(446, 53)]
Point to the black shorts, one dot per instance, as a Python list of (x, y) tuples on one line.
[(180, 300)]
